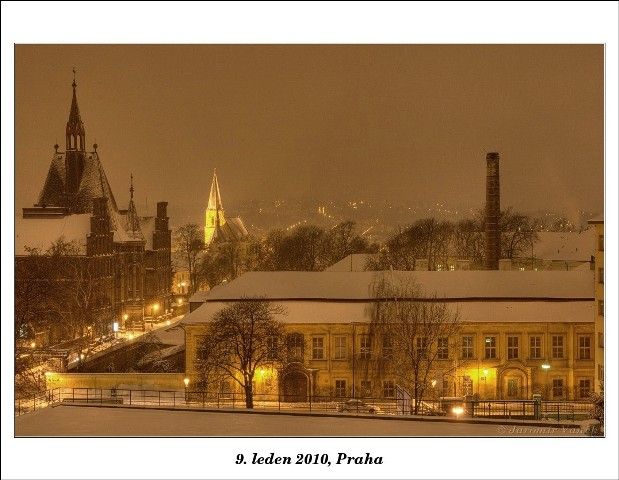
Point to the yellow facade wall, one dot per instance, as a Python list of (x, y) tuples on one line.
[(488, 378)]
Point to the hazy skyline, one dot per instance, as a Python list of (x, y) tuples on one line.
[(402, 123)]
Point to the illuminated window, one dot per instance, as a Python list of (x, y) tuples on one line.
[(535, 346), (513, 347), (318, 348), (452, 267), (442, 348), (340, 388), (467, 347), (584, 347), (340, 347), (584, 387), (388, 389), (490, 347), (366, 346), (557, 346)]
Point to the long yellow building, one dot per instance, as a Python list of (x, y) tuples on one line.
[(521, 333)]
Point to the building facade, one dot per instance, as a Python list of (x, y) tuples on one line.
[(598, 223), (520, 333), (121, 259)]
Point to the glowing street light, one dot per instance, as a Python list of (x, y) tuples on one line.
[(433, 383), (458, 411), (186, 382), (545, 366), (125, 316), (33, 345)]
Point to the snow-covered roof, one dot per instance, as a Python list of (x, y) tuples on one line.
[(462, 284), (568, 246), (40, 233), (597, 218), (355, 262), (470, 312)]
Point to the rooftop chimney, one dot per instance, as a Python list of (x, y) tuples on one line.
[(493, 211)]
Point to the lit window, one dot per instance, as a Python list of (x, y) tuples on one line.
[(490, 347)]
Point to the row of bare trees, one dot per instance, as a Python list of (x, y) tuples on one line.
[(306, 247), (435, 242), (60, 292)]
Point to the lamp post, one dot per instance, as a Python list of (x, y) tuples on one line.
[(186, 382), (485, 380), (546, 367)]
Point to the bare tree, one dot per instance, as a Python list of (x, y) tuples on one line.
[(189, 243), (415, 324), (242, 337), (518, 234), (427, 239), (468, 241)]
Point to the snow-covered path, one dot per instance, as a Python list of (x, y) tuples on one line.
[(102, 421)]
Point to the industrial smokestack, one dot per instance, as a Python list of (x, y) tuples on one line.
[(493, 211)]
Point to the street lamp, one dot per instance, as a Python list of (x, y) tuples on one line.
[(458, 411), (186, 382), (546, 367)]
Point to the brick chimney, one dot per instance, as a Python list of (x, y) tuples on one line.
[(493, 211)]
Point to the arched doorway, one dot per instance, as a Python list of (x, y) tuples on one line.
[(295, 386)]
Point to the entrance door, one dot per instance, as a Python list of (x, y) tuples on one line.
[(513, 387), (295, 387)]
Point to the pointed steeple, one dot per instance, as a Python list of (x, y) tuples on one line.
[(132, 225), (214, 199), (214, 216), (76, 134)]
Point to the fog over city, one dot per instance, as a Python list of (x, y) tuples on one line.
[(397, 125)]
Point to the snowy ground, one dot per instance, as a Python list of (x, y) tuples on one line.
[(102, 421)]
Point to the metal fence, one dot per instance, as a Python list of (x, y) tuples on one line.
[(530, 409), (35, 402), (499, 409)]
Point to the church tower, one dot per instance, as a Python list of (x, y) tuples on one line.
[(75, 157), (214, 217)]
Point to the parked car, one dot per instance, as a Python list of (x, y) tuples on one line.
[(359, 406)]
